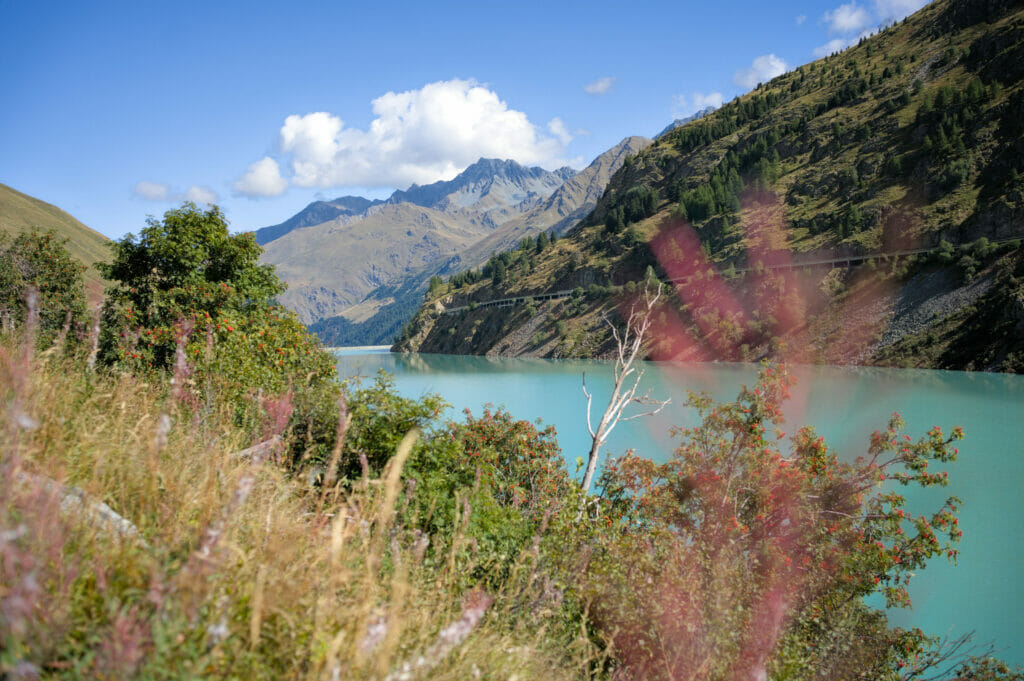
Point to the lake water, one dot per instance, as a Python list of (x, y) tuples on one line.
[(983, 593)]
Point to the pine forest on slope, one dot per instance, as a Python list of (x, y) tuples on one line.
[(912, 139)]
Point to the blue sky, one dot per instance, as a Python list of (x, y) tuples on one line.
[(119, 110)]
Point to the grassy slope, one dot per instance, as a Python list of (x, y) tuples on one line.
[(19, 212), (898, 190)]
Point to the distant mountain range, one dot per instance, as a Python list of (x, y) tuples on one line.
[(706, 111), (315, 214), (356, 269)]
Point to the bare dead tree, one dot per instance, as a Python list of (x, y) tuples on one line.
[(627, 375)]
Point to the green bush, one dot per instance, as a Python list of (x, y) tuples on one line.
[(380, 418), (732, 532), (266, 358), (184, 268), (41, 262), (968, 266), (946, 253), (188, 296), (954, 173), (499, 477)]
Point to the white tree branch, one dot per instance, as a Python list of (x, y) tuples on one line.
[(628, 344)]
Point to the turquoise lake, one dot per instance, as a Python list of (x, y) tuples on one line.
[(983, 593)]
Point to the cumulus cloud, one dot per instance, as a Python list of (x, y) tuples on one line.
[(831, 47), (198, 194), (416, 136), (152, 191), (801, 19), (556, 126), (761, 70), (262, 178), (601, 86), (888, 10), (683, 106), (848, 18)]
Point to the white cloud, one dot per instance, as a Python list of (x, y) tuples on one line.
[(601, 86), (262, 178), (888, 10), (159, 191), (416, 136), (761, 70), (198, 194), (801, 19), (683, 106), (831, 47), (556, 126), (712, 99), (152, 191), (848, 18), (312, 138)]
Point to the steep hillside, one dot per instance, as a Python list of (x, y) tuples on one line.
[(911, 140), (378, 318), (333, 265), (19, 212)]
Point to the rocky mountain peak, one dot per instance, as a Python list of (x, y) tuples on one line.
[(472, 184), (706, 111), (316, 213)]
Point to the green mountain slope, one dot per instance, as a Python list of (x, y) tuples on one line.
[(20, 212), (910, 140)]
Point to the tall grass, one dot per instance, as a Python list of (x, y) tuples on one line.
[(136, 542)]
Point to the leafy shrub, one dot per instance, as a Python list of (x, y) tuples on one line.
[(41, 262), (982, 248), (188, 295), (379, 419), (500, 477), (186, 267), (954, 174), (266, 354), (968, 266), (749, 562), (946, 253)]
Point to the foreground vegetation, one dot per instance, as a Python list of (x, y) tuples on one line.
[(174, 503)]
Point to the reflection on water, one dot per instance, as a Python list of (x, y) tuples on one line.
[(845, 404)]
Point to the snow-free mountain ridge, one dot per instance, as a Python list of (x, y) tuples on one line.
[(364, 256)]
